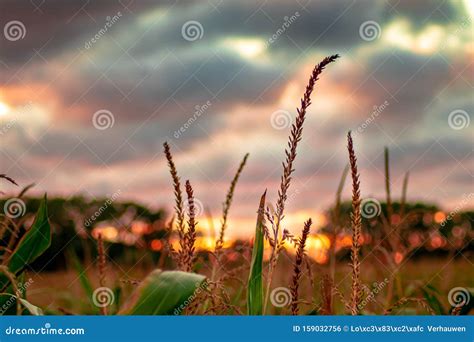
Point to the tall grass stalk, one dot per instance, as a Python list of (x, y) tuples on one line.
[(288, 165), (179, 203), (190, 237), (228, 202), (102, 267), (387, 185), (297, 267), (356, 222), (403, 199)]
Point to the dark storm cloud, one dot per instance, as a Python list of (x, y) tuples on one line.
[(130, 86), (409, 82), (428, 154), (51, 26), (172, 91), (321, 24), (419, 13), (55, 26), (404, 75), (152, 79)]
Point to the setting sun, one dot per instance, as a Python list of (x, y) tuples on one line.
[(4, 109)]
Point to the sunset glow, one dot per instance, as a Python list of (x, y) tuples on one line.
[(224, 89), (4, 109), (164, 159)]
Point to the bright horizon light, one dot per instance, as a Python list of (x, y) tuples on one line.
[(246, 47), (4, 109)]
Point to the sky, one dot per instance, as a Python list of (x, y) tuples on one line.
[(90, 90)]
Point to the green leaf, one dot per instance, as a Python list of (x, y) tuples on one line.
[(430, 293), (7, 303), (81, 273), (83, 278), (164, 293), (255, 282), (34, 243)]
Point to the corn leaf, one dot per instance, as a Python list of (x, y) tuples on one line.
[(34, 243), (83, 278), (164, 293), (255, 282), (431, 296)]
